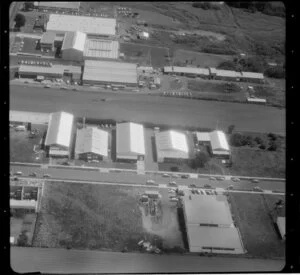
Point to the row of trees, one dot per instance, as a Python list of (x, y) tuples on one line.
[(20, 20), (206, 5)]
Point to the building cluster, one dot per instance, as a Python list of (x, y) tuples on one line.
[(209, 225), (213, 73)]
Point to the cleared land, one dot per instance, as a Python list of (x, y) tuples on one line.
[(145, 108), (91, 217), (252, 217)]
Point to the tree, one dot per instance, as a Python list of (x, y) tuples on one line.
[(236, 140), (230, 129), (258, 140), (20, 20), (249, 141), (28, 6), (200, 160), (273, 146), (272, 136)]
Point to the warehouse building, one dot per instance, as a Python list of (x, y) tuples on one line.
[(23, 204), (144, 69), (47, 41), (109, 72), (130, 141), (58, 6), (187, 71), (28, 71), (202, 137), (102, 49), (171, 146), (59, 132), (91, 144), (219, 144), (73, 46), (209, 225), (252, 77), (228, 75), (91, 26)]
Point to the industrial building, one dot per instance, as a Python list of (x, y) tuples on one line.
[(91, 144), (59, 134), (103, 49), (228, 75), (143, 69), (171, 146), (61, 6), (29, 71), (219, 144), (202, 137), (209, 225), (47, 41), (130, 141), (27, 204), (252, 77), (91, 26), (73, 46), (109, 72), (256, 100), (187, 71)]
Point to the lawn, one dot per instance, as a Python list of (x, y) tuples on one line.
[(273, 95), (252, 216), (83, 216)]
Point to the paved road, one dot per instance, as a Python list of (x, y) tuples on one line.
[(84, 261), (146, 108), (127, 177)]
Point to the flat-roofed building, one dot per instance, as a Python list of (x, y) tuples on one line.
[(209, 225), (256, 100), (91, 26), (144, 69), (73, 46), (91, 144), (47, 41), (101, 49), (28, 71), (171, 146), (27, 204), (59, 134), (219, 144), (109, 72), (187, 71), (61, 6), (228, 75), (252, 77), (130, 141), (202, 137)]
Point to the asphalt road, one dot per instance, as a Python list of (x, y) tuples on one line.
[(126, 177), (85, 261), (146, 108)]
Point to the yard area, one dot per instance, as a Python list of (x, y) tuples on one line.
[(252, 216), (22, 225), (21, 145), (83, 216)]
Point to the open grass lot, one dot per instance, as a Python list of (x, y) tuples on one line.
[(21, 146), (252, 217), (273, 95), (86, 216)]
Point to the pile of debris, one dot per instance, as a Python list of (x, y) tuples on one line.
[(148, 247)]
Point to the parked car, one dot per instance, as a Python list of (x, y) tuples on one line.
[(220, 178), (255, 180), (63, 88), (235, 179), (207, 186), (15, 178), (257, 189), (172, 183), (46, 176), (33, 174), (192, 185), (19, 173), (47, 86), (115, 89), (212, 178), (166, 175), (185, 176), (230, 187), (74, 89)]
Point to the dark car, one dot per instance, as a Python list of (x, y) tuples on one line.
[(46, 176), (33, 174), (185, 176), (172, 183), (192, 185), (207, 186)]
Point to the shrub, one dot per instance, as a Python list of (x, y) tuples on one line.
[(236, 140), (273, 146), (272, 136), (275, 72), (199, 161), (20, 20)]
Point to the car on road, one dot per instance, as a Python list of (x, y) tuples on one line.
[(255, 180), (192, 185), (33, 174), (220, 178), (212, 178), (19, 173), (115, 89), (74, 89), (46, 176), (151, 182), (172, 183), (207, 186), (235, 179), (174, 199), (47, 86), (175, 176), (230, 187), (166, 175), (257, 189), (15, 178), (63, 88), (185, 176)]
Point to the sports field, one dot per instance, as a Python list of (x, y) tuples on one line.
[(155, 109)]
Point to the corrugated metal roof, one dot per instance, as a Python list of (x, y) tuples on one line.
[(227, 73), (207, 209), (186, 70), (219, 141), (74, 40), (59, 129), (65, 5), (91, 140), (203, 136), (108, 71), (252, 75), (48, 38), (130, 139), (260, 100), (22, 203), (41, 70), (100, 48), (88, 25), (281, 226), (217, 237)]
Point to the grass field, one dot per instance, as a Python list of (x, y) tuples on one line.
[(91, 217), (252, 216)]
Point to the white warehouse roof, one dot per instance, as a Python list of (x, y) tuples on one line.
[(186, 70), (100, 48), (39, 70), (58, 5), (219, 141), (74, 40), (130, 140), (109, 71), (59, 129), (88, 25), (228, 73), (92, 140), (22, 203), (207, 210), (203, 136), (252, 75), (171, 144)]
